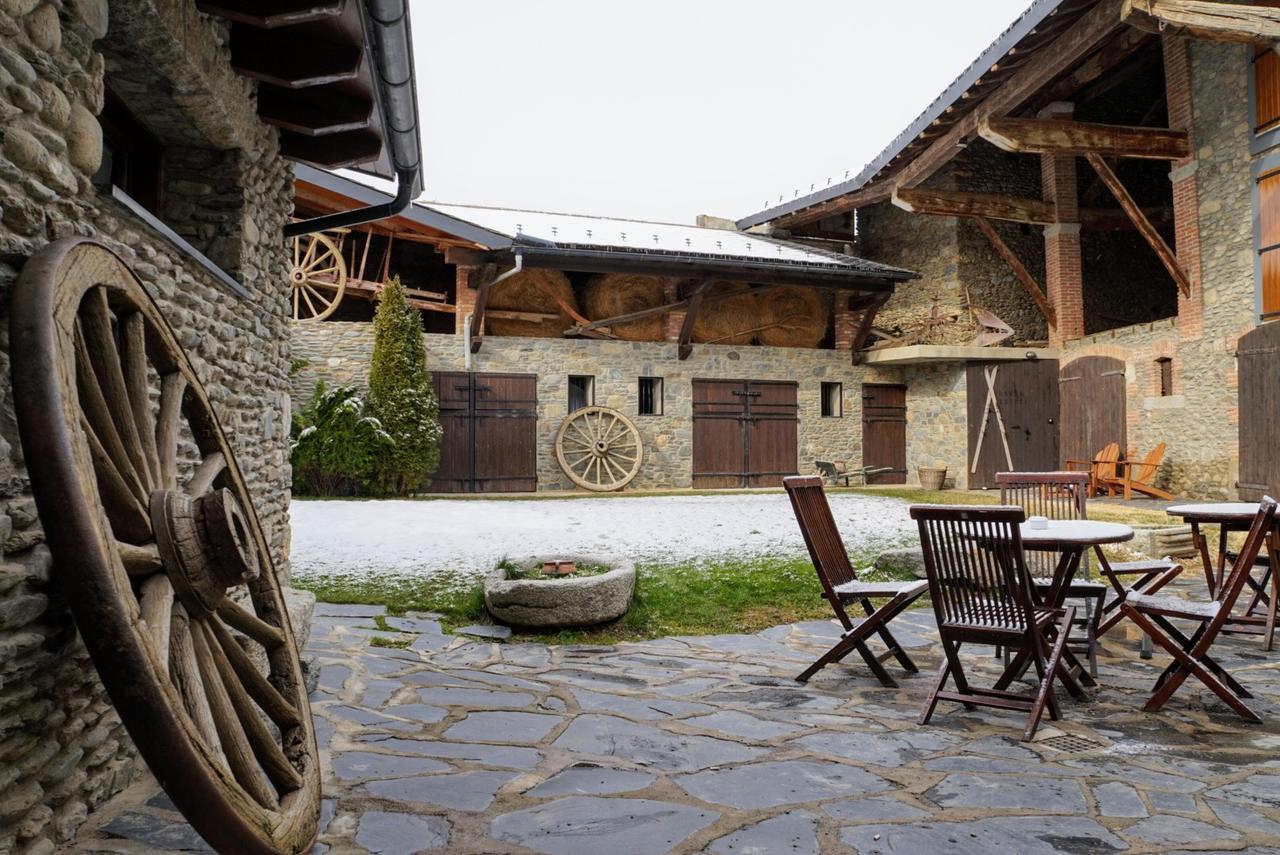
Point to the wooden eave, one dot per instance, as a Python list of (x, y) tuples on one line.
[(312, 200)]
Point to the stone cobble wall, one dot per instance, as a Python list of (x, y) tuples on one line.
[(1200, 420), (63, 750), (339, 353)]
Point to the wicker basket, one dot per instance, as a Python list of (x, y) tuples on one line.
[(931, 479)]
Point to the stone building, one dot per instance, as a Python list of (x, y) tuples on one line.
[(1103, 181), (664, 378), (158, 130)]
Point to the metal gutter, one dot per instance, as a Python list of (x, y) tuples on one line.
[(1021, 28), (390, 54)]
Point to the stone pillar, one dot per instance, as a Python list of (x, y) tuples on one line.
[(1062, 269), (1186, 202), (464, 298), (675, 319)]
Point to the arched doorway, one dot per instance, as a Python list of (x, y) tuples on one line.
[(1258, 364), (1092, 401)]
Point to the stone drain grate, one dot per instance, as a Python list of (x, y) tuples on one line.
[(1069, 744)]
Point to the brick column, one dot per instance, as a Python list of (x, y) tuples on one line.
[(1186, 201), (464, 299), (675, 319), (1062, 270), (846, 323)]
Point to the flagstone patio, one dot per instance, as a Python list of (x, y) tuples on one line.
[(706, 744)]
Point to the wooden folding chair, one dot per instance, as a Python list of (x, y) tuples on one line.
[(1059, 496), (981, 592), (1136, 476), (1102, 466), (1191, 653), (840, 585)]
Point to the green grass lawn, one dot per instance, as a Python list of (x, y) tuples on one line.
[(695, 598)]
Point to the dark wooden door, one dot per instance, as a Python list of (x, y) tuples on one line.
[(744, 433), (490, 433), (1012, 419), (1092, 407), (884, 431), (1258, 363)]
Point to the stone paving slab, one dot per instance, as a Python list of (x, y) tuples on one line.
[(708, 745)]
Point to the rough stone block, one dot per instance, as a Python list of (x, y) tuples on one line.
[(898, 562), (583, 601)]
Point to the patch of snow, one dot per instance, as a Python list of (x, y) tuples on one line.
[(463, 539)]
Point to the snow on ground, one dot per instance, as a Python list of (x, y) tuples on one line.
[(466, 538)]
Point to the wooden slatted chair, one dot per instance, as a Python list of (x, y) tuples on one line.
[(840, 585), (1059, 496), (1155, 615), (1133, 476), (981, 592), (1103, 465)]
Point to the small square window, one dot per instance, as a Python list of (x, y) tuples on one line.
[(833, 400), (582, 391), (1165, 366), (649, 396)]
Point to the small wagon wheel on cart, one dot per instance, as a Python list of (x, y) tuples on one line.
[(318, 277), (159, 551), (599, 449)]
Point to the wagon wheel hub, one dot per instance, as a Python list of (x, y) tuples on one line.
[(205, 545)]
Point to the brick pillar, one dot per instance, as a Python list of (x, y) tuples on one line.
[(464, 298), (1186, 202), (846, 323), (1062, 271), (675, 319)]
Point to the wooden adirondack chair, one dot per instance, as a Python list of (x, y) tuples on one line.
[(1132, 476), (1101, 467)]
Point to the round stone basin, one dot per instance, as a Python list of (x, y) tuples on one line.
[(561, 602)]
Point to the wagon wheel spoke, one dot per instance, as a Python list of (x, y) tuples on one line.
[(138, 383), (173, 388), (318, 278), (186, 675), (206, 473), (598, 448)]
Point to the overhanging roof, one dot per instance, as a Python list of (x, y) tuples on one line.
[(1037, 26)]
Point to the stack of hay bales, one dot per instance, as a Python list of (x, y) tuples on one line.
[(530, 291), (726, 319), (792, 317), (613, 294)]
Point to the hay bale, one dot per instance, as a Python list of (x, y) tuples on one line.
[(614, 294), (727, 320), (792, 317), (521, 293)]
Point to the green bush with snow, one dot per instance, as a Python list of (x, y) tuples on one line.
[(336, 444)]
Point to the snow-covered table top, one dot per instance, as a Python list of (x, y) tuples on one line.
[(1212, 512)]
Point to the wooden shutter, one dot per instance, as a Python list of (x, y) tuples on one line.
[(1269, 241), (1266, 83)]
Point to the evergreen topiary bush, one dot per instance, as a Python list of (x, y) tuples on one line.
[(336, 444), (401, 396)]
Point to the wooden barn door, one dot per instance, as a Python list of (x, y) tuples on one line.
[(490, 433), (744, 433), (1092, 408), (1258, 355), (1013, 419), (884, 431)]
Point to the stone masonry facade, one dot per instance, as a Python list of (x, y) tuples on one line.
[(63, 750)]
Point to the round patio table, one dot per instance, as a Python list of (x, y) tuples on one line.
[(1260, 616), (1069, 538)]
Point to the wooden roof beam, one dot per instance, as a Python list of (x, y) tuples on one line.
[(1204, 19), (690, 318), (1141, 223), (349, 148), (269, 14), (313, 112), (919, 200), (1064, 136), (286, 60), (865, 324), (1019, 271), (481, 279)]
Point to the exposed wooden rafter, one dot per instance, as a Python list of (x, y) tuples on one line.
[(1112, 54), (269, 14), (993, 206), (1141, 223), (1204, 19), (690, 318), (865, 324), (1019, 270), (1063, 136), (481, 279), (279, 57), (313, 112)]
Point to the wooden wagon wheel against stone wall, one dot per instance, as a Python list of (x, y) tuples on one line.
[(599, 449), (159, 551), (317, 276)]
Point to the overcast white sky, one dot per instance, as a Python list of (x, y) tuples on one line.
[(665, 109)]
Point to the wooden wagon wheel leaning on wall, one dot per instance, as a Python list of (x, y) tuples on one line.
[(317, 276), (159, 551), (599, 449)]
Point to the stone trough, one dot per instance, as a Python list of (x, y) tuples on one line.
[(546, 603)]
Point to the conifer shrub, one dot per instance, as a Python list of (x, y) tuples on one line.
[(336, 444), (401, 395)]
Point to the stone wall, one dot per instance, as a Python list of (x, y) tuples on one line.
[(62, 747)]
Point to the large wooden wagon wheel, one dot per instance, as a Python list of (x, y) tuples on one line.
[(318, 276), (159, 551), (599, 449)]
